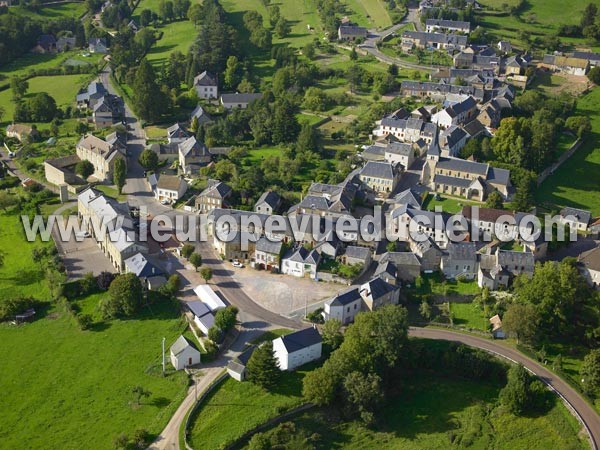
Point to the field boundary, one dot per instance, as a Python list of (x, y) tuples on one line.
[(564, 157)]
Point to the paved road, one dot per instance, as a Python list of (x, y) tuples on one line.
[(370, 44), (587, 414)]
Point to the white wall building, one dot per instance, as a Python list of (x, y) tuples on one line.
[(295, 349), (184, 354)]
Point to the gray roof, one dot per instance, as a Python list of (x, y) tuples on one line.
[(512, 258), (442, 88), (401, 258), (458, 108), (386, 267), (448, 23), (587, 55), (452, 181), (191, 145), (453, 135), (267, 246), (462, 165), (461, 251), (437, 38), (200, 115), (142, 267), (582, 215), (378, 288), (240, 98), (378, 169), (181, 344), (356, 252), (499, 176), (315, 202), (198, 308), (205, 79), (399, 148), (301, 339), (216, 189), (304, 256), (345, 298), (270, 198), (408, 197), (352, 30)]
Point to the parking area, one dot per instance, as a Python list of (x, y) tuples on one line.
[(283, 294), (82, 257)]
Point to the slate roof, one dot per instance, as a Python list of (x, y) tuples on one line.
[(198, 308), (267, 246), (452, 181), (582, 215), (499, 176), (378, 169), (270, 198), (169, 182), (401, 258), (240, 98), (205, 79), (141, 267), (453, 135), (180, 345), (590, 56), (352, 30), (461, 251), (437, 38), (345, 298), (399, 148), (305, 256), (356, 252), (191, 145), (591, 259), (300, 339), (377, 288), (216, 189), (200, 115), (462, 165)]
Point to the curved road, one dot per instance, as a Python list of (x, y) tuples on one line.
[(585, 411)]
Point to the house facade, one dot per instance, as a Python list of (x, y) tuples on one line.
[(101, 154), (296, 349), (184, 354)]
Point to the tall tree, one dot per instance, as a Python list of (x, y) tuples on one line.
[(148, 100), (124, 296), (590, 371), (120, 174), (262, 367), (195, 260), (332, 334), (148, 159)]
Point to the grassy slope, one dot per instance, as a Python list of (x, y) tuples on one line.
[(468, 315), (63, 88), (576, 183), (177, 36), (67, 388), (235, 408), (52, 12), (431, 411)]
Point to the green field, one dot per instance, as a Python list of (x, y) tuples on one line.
[(63, 88), (434, 413), (235, 408), (539, 17), (468, 315), (576, 182), (448, 204), (177, 36), (65, 388), (369, 13), (33, 61), (59, 11)]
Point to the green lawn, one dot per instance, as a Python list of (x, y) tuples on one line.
[(63, 88), (33, 61), (576, 182), (67, 388), (235, 408), (52, 12), (432, 412), (468, 315), (177, 36), (433, 283), (369, 13), (448, 204)]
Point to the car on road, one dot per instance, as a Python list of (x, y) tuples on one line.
[(165, 201), (82, 234), (237, 264)]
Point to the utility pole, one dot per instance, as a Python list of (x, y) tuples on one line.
[(163, 355)]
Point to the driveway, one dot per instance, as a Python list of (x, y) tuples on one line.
[(82, 257)]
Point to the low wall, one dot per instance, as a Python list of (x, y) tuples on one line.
[(566, 155)]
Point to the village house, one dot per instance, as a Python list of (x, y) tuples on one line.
[(98, 45), (433, 25), (236, 368), (301, 263), (331, 200), (462, 178), (496, 324), (237, 100), (406, 219), (436, 41), (515, 65), (429, 253), (184, 354), (504, 46), (403, 266), (61, 171), (46, 43), (351, 33), (356, 255), (456, 114), (377, 293), (460, 261), (101, 154), (65, 43), (107, 111), (200, 115), (214, 196), (589, 266), (566, 64), (344, 306), (452, 139), (592, 58), (490, 114), (268, 203), (296, 349), (193, 155), (267, 254), (578, 219), (206, 86), (167, 188), (149, 273), (381, 177), (497, 269), (439, 91), (406, 130), (21, 132), (176, 134), (87, 97), (399, 153)]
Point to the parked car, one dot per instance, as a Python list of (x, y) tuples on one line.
[(165, 201), (237, 264)]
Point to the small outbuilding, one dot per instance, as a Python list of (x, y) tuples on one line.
[(496, 323), (237, 366), (184, 354)]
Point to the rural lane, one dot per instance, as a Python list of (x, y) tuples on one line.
[(585, 411)]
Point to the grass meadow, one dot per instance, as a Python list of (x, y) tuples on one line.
[(65, 388)]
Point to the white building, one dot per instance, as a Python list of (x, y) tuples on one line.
[(457, 114), (344, 306), (209, 298), (301, 263), (184, 354), (203, 317), (206, 86), (170, 187), (295, 349)]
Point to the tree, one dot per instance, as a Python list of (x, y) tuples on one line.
[(353, 54), (194, 13), (282, 28), (145, 17), (104, 280), (226, 318), (590, 371), (206, 273), (141, 438), (81, 128), (7, 200), (364, 394), (262, 368), (187, 250), (55, 281), (232, 76), (308, 139), (41, 107), (309, 50), (521, 321), (124, 296), (84, 169), (393, 70), (18, 86), (195, 260), (594, 75), (138, 393), (149, 101), (2, 112), (580, 125), (148, 159), (517, 395), (120, 174), (172, 286), (494, 201), (425, 310), (332, 334)]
